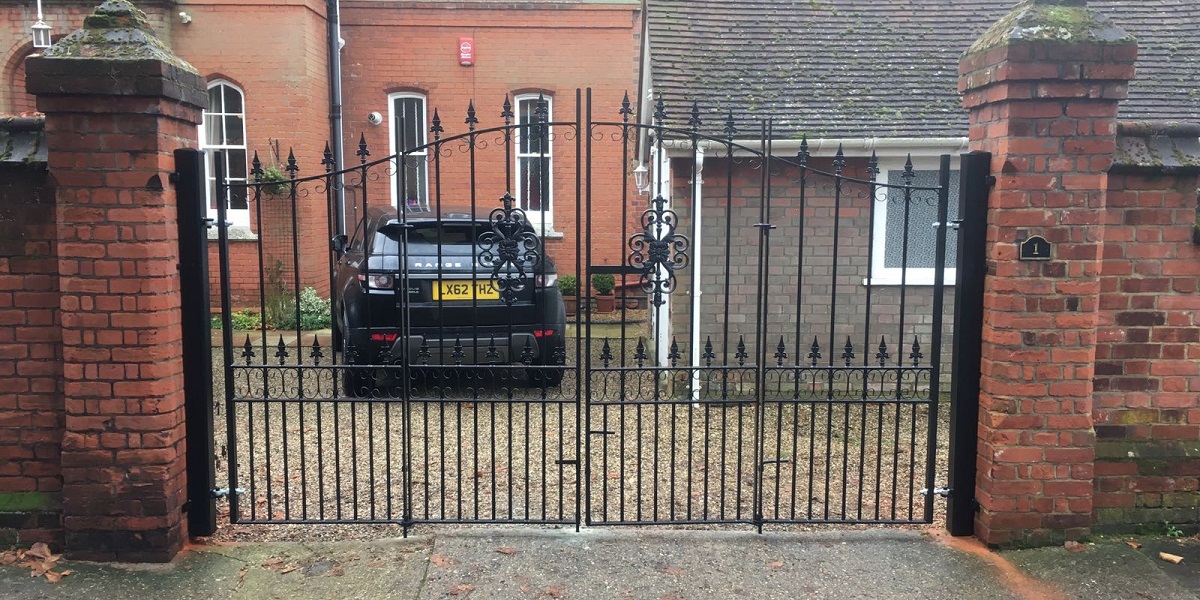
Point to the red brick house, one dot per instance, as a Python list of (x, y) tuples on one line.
[(268, 68)]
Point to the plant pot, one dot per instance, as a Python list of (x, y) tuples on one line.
[(605, 304), (572, 304)]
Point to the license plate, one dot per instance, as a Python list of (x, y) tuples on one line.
[(465, 290)]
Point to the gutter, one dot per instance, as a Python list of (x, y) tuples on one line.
[(896, 146)]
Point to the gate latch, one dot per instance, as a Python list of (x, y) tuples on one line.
[(224, 492), (954, 224), (937, 491)]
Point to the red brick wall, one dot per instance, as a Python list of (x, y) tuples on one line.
[(31, 404), (243, 275), (122, 460), (1147, 383), (276, 54)]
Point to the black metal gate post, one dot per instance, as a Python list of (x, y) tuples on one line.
[(975, 180), (197, 340)]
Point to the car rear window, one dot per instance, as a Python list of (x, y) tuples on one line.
[(387, 240)]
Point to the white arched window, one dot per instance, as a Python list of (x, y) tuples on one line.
[(534, 143), (411, 172), (223, 140)]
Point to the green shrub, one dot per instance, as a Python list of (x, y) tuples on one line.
[(568, 285), (603, 283), (314, 312), (274, 180), (241, 320)]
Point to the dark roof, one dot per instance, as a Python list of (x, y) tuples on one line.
[(849, 68), (23, 140)]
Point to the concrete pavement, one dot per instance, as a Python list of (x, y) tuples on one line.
[(474, 563)]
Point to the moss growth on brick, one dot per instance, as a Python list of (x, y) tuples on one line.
[(1037, 22), (116, 30), (25, 501), (1168, 449)]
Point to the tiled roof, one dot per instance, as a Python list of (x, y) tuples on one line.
[(849, 68), (22, 140)]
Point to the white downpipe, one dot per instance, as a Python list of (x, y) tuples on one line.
[(697, 246), (662, 314)]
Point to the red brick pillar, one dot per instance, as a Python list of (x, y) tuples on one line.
[(117, 104), (1042, 87)]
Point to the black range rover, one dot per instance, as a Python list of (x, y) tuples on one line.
[(457, 314)]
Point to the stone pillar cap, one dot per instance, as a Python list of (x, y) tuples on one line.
[(116, 30), (115, 54), (1055, 21)]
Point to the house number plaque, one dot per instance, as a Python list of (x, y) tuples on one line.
[(1035, 248)]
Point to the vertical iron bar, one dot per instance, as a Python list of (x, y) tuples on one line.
[(803, 157), (299, 352), (436, 129), (402, 295), (935, 346), (586, 387), (406, 380), (582, 414), (474, 185), (839, 163), (872, 173), (219, 163), (227, 335), (332, 229), (908, 181), (760, 344)]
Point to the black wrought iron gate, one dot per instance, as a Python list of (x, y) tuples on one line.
[(775, 354)]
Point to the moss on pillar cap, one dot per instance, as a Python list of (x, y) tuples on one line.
[(1054, 21), (116, 30)]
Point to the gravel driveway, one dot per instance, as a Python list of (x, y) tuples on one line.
[(494, 449)]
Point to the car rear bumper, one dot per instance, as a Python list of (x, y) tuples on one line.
[(453, 346)]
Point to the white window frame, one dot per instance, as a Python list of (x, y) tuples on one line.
[(541, 219), (423, 130), (238, 217), (883, 275)]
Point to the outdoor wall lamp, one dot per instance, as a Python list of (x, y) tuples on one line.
[(41, 34), (639, 179), (41, 31)]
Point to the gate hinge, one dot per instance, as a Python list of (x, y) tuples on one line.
[(224, 492), (990, 180), (937, 491)]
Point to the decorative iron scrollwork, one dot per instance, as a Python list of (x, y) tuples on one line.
[(510, 250), (657, 251)]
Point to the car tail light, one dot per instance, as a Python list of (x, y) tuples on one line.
[(377, 281), (384, 337), (541, 333), (547, 280)]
